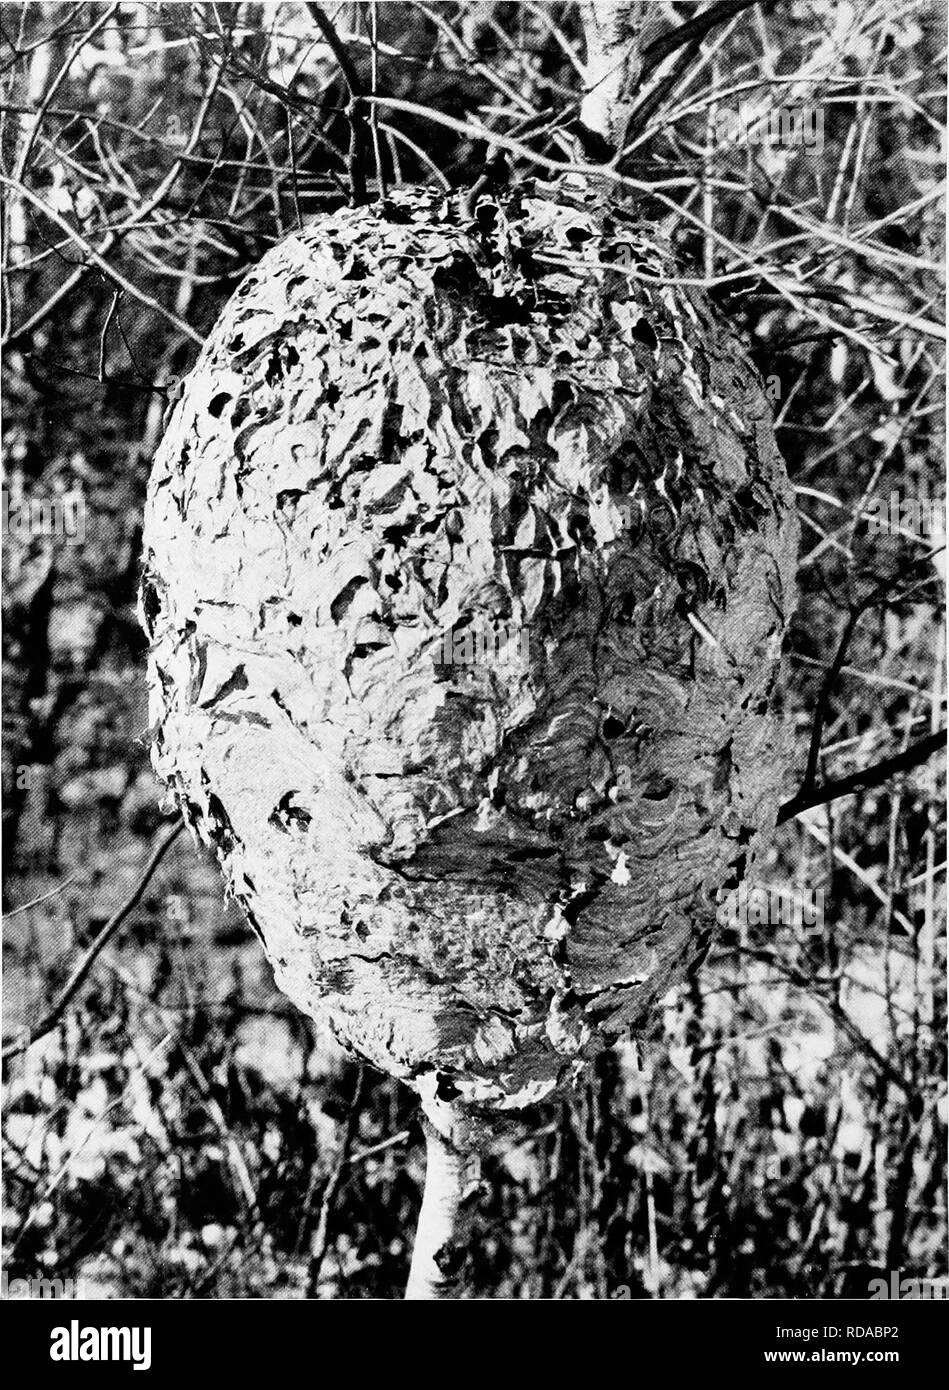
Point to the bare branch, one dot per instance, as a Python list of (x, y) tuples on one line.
[(36, 121), (321, 1238), (867, 777), (355, 110), (105, 934), (695, 29), (611, 31), (823, 700)]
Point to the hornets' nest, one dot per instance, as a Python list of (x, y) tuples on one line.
[(410, 438)]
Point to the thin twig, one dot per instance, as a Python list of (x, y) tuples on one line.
[(374, 110), (103, 341), (321, 1238), (94, 257), (29, 140), (43, 897), (355, 110), (97, 254), (384, 1144), (833, 1007), (823, 700), (105, 934), (293, 169)]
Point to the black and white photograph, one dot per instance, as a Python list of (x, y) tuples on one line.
[(474, 663)]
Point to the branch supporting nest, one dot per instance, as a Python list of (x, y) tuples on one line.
[(449, 1204), (356, 111), (611, 31)]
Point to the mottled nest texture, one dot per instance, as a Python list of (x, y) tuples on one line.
[(469, 553)]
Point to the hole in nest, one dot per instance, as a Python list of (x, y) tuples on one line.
[(659, 789), (445, 1088)]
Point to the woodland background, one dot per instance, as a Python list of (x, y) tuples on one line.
[(180, 1131)]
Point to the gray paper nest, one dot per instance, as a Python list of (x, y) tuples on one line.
[(469, 554)]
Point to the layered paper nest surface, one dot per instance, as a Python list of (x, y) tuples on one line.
[(469, 554)]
